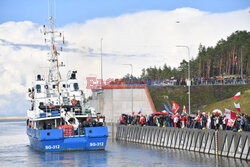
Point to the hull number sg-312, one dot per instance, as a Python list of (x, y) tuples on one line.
[(52, 147), (96, 144)]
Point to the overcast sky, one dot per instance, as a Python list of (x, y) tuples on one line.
[(139, 32)]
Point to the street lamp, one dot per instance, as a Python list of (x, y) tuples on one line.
[(132, 98), (189, 82), (101, 61)]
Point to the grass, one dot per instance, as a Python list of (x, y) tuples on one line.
[(244, 101), (204, 97)]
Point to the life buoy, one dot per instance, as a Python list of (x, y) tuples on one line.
[(73, 102)]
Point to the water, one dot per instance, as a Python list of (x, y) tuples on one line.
[(15, 151)]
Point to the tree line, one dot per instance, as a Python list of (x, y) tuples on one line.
[(222, 60)]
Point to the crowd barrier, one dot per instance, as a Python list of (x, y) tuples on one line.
[(222, 143)]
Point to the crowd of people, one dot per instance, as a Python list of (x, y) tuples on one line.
[(195, 80), (199, 81), (200, 121)]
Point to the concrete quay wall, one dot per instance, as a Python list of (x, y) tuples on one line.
[(221, 143), (114, 102)]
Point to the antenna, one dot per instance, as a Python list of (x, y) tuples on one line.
[(50, 38), (52, 8), (55, 9)]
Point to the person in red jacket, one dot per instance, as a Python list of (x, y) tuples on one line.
[(183, 121), (142, 121), (122, 120)]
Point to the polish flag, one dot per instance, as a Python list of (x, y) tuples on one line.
[(175, 107), (140, 111), (230, 114), (235, 59), (236, 96), (230, 122), (176, 115), (184, 110), (237, 106)]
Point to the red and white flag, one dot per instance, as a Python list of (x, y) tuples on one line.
[(230, 114), (176, 115), (230, 122), (235, 59), (175, 107), (237, 106), (184, 110), (140, 111), (236, 96)]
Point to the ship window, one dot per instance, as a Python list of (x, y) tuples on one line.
[(54, 86), (64, 85), (46, 86), (76, 86), (38, 88), (65, 100)]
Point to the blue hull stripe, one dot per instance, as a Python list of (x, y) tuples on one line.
[(53, 140)]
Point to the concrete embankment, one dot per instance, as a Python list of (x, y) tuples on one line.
[(13, 118), (116, 100), (221, 143)]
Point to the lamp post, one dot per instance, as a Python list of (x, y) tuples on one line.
[(132, 98), (241, 67), (189, 82), (101, 61)]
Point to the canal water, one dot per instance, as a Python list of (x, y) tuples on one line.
[(15, 151)]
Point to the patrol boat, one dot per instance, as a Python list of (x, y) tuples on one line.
[(58, 119)]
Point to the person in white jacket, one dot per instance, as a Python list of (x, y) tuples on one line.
[(209, 122)]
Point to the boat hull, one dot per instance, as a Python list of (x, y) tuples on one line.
[(54, 140)]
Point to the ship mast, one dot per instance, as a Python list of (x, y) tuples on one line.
[(54, 73)]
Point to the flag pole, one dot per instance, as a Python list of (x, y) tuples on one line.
[(241, 66)]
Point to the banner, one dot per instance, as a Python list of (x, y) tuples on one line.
[(230, 114), (230, 122)]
